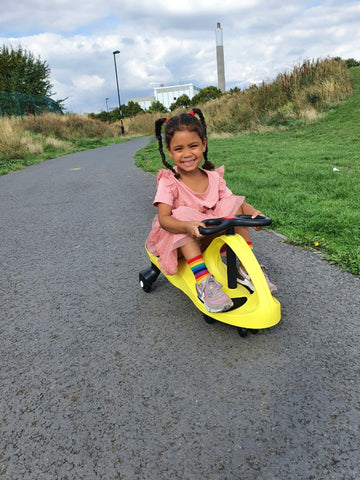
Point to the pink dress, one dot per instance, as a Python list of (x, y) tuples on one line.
[(216, 201)]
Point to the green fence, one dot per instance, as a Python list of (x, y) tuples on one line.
[(18, 104)]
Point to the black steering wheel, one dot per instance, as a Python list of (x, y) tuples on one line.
[(217, 225)]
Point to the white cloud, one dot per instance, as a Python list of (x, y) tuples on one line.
[(171, 42), (88, 82)]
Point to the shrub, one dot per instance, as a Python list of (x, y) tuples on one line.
[(10, 140), (70, 127)]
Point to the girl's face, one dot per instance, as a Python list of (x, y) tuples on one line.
[(186, 149)]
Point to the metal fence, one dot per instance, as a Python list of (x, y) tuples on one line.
[(18, 104)]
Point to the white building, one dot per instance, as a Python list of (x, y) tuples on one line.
[(167, 95), (144, 102)]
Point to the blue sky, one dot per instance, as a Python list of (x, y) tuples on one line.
[(168, 43)]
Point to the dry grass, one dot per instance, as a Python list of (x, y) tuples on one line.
[(34, 135), (16, 141), (11, 134), (301, 95), (31, 144), (70, 127), (142, 124)]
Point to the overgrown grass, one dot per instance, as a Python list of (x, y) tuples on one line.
[(285, 169), (29, 140), (296, 97), (289, 176)]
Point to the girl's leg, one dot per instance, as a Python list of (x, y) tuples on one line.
[(243, 277), (243, 231), (191, 251), (207, 288)]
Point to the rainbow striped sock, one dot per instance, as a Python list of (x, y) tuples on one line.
[(198, 268)]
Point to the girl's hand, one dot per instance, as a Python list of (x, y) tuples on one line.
[(254, 215), (192, 229)]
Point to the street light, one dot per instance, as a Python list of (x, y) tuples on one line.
[(107, 109), (118, 91)]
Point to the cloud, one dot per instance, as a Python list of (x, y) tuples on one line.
[(88, 82), (171, 42)]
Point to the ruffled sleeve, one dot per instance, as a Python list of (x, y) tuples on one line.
[(166, 188), (220, 170), (224, 191)]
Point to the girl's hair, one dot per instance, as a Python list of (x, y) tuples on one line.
[(184, 121)]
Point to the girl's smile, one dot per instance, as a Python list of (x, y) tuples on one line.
[(186, 149)]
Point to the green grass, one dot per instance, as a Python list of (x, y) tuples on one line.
[(289, 176)]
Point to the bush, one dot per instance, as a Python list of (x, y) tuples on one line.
[(10, 140), (70, 127), (311, 86)]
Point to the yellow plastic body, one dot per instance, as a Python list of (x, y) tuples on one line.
[(261, 309)]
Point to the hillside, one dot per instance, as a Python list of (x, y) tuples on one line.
[(289, 175)]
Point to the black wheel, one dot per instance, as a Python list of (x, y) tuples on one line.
[(208, 319), (254, 331), (145, 285), (147, 277), (242, 332)]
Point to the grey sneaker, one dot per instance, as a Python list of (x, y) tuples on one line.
[(244, 279), (272, 287), (210, 293)]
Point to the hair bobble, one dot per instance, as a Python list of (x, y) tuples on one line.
[(192, 113), (167, 120)]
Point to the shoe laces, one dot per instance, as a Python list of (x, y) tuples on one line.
[(241, 272), (212, 287)]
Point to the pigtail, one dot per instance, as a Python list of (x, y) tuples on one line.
[(158, 124), (207, 165)]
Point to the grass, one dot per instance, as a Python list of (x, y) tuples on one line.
[(295, 97), (30, 140), (283, 164), (288, 175)]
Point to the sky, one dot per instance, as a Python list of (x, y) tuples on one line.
[(173, 43)]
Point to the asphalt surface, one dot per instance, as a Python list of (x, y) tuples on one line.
[(100, 380)]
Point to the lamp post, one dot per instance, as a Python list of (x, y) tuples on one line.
[(118, 91), (107, 109)]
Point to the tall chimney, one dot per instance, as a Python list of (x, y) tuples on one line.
[(220, 58)]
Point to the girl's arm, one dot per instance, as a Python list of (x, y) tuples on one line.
[(250, 210), (172, 225)]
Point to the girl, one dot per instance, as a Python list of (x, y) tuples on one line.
[(186, 195)]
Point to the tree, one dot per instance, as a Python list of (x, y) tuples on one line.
[(7, 67), (183, 101), (157, 107), (103, 116), (351, 62), (206, 94), (21, 72), (131, 109), (114, 114)]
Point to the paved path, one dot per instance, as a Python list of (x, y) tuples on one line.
[(100, 380)]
